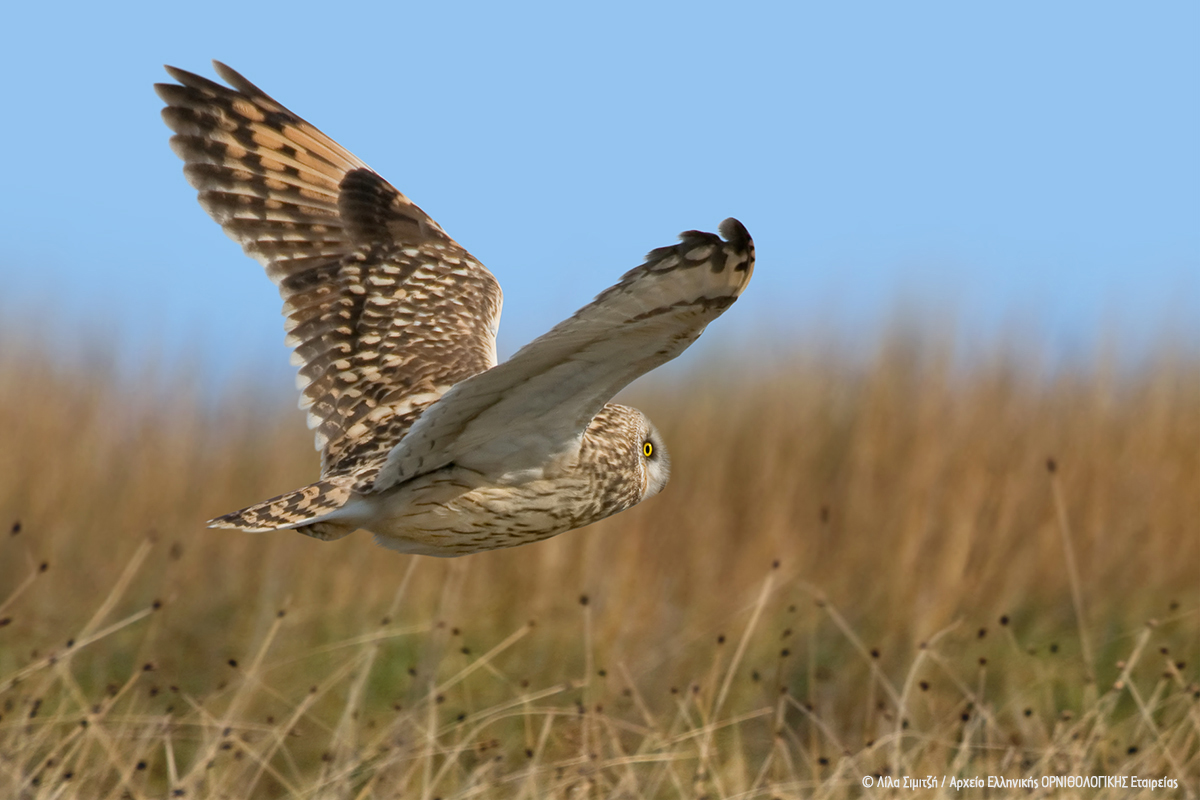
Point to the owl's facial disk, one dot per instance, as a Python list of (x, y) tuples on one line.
[(656, 462)]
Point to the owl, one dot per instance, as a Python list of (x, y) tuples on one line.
[(425, 440)]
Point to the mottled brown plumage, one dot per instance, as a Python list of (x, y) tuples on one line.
[(423, 438), (384, 311)]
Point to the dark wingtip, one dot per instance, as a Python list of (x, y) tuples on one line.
[(735, 233), (237, 80), (194, 81)]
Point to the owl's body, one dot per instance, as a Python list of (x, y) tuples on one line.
[(457, 510), (425, 440)]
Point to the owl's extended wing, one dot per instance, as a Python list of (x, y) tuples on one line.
[(533, 406), (385, 312)]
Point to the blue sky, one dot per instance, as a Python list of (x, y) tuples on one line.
[(992, 163)]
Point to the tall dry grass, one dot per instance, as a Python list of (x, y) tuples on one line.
[(860, 567)]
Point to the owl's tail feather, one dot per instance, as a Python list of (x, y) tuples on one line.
[(302, 509)]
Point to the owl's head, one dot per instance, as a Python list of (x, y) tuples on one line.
[(655, 461), (625, 447)]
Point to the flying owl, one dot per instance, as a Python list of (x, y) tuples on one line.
[(425, 440)]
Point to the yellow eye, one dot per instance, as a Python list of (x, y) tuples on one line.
[(647, 449)]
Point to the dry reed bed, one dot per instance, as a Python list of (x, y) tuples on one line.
[(859, 567)]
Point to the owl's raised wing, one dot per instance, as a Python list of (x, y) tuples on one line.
[(535, 405), (385, 312)]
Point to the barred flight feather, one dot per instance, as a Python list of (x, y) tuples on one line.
[(347, 251)]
